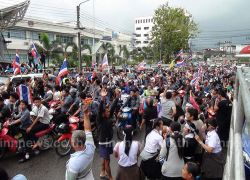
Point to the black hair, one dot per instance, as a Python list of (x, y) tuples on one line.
[(24, 102), (3, 174), (36, 98), (48, 86), (223, 93), (82, 95), (128, 139), (98, 82), (157, 122), (14, 95), (57, 88), (193, 112), (5, 95), (1, 99), (177, 136), (168, 95), (151, 103), (193, 169), (66, 90)]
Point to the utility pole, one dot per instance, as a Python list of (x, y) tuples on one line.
[(79, 37), (79, 33)]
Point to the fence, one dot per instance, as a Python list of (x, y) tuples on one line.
[(234, 168)]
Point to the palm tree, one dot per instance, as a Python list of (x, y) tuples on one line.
[(110, 50), (49, 46), (124, 50)]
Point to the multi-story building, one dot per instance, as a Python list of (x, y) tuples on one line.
[(28, 30), (143, 28)]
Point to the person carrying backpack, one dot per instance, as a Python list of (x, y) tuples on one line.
[(171, 154)]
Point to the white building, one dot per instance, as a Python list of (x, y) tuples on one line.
[(143, 28), (28, 30)]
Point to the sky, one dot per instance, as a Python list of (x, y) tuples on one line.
[(218, 20)]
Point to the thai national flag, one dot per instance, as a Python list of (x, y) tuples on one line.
[(24, 93), (34, 51), (180, 63), (64, 69), (141, 66), (195, 79), (16, 65), (105, 61)]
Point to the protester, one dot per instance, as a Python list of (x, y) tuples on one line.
[(128, 151), (213, 161), (171, 155), (80, 163), (190, 171)]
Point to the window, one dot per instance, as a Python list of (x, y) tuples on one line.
[(146, 20), (143, 20), (145, 35), (146, 28), (15, 34), (64, 39), (138, 35), (138, 28), (145, 42), (35, 35), (138, 42), (135, 21)]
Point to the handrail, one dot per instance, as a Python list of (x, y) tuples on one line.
[(234, 168)]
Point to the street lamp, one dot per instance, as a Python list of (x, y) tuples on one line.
[(79, 34)]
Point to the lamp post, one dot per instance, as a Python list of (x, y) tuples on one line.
[(79, 33)]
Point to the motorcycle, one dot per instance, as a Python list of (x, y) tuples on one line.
[(63, 144), (11, 144)]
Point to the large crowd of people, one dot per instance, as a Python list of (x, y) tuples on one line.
[(184, 112)]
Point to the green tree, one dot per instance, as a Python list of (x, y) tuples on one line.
[(51, 47), (172, 30), (110, 50)]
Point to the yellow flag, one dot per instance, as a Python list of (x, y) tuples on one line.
[(171, 65)]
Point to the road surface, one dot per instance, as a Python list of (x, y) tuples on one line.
[(49, 166)]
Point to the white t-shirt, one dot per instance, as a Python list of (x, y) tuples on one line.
[(131, 159), (57, 95), (43, 113), (213, 140), (153, 142)]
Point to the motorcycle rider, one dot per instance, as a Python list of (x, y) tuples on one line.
[(65, 105), (40, 123), (133, 102), (21, 124), (48, 95)]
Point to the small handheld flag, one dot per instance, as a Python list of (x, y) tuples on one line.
[(16, 65)]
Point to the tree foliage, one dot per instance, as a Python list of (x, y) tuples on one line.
[(172, 30)]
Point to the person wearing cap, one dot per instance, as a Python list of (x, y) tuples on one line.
[(213, 161), (79, 166)]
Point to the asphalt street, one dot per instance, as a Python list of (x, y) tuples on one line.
[(49, 166)]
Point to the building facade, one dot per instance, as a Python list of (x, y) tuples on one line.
[(143, 28), (28, 31)]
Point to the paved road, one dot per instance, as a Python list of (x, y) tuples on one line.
[(49, 166)]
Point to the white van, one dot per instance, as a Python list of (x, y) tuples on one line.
[(17, 79)]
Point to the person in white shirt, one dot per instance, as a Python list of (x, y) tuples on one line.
[(213, 161), (79, 166), (128, 151), (150, 167)]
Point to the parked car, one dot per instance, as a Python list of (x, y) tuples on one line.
[(16, 80)]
